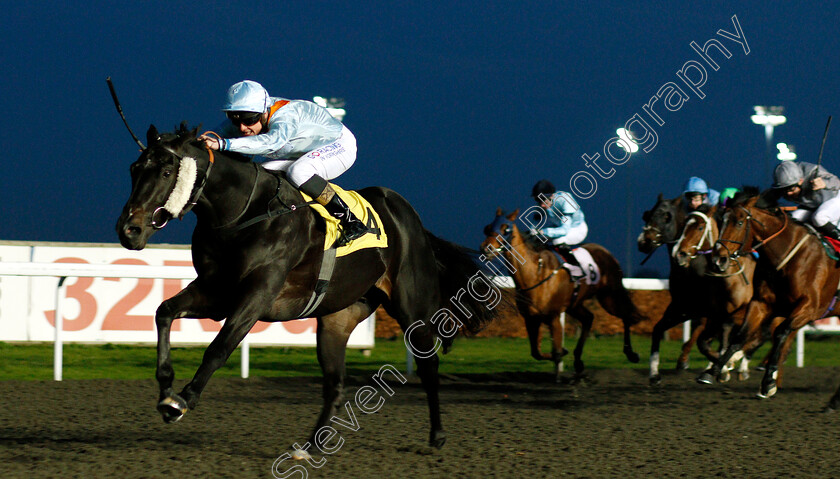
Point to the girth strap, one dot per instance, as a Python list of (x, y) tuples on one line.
[(327, 267)]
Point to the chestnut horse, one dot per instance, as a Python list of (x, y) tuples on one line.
[(804, 277), (545, 290), (727, 293), (258, 250)]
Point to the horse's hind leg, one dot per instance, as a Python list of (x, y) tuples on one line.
[(585, 317), (616, 301), (332, 334)]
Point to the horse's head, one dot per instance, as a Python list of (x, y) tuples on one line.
[(162, 181), (502, 228), (698, 237), (736, 238), (662, 224)]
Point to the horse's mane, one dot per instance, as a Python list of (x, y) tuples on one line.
[(767, 200)]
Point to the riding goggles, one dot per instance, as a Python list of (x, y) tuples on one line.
[(246, 118)]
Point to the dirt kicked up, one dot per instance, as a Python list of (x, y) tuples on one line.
[(502, 425)]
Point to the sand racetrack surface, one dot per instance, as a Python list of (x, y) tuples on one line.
[(503, 425)]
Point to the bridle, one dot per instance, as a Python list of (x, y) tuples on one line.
[(706, 236), (196, 192), (505, 246), (748, 219)]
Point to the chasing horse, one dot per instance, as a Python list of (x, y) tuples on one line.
[(263, 253), (663, 225), (727, 293), (804, 273), (545, 289)]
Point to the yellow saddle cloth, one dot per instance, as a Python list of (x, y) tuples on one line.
[(364, 211)]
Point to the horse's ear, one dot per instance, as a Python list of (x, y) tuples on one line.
[(152, 135), (514, 215), (659, 197), (498, 212)]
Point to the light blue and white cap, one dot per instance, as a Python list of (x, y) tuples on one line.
[(246, 96)]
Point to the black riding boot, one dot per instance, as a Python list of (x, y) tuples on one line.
[(830, 230), (566, 253), (350, 227)]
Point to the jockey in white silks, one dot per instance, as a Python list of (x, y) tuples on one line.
[(564, 226), (296, 136), (814, 190)]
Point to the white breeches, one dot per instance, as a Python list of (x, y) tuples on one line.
[(575, 235), (328, 161), (828, 212)]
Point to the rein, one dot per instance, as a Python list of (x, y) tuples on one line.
[(539, 267), (197, 192)]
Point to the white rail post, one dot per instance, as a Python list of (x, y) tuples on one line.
[(58, 348), (800, 347), (246, 352), (562, 338)]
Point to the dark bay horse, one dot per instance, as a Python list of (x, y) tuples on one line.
[(545, 290), (258, 249), (663, 225), (804, 279), (728, 292)]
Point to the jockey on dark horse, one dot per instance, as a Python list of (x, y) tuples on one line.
[(565, 224), (300, 137), (815, 190), (697, 193)]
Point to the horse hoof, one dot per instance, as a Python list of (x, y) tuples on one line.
[(705, 378), (770, 392), (828, 410), (743, 375), (632, 356), (724, 377), (655, 380), (437, 439), (172, 408), (682, 365)]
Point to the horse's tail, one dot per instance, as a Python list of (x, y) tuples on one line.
[(465, 291), (615, 298)]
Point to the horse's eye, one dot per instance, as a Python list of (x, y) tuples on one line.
[(167, 173)]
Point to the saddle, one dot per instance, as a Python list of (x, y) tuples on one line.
[(364, 211), (829, 244)]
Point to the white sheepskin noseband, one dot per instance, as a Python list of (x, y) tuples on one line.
[(183, 187)]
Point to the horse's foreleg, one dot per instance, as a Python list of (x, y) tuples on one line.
[(769, 381), (670, 318), (190, 302), (557, 349), (738, 337), (697, 329), (532, 326)]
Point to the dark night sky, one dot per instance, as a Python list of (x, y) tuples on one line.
[(460, 108)]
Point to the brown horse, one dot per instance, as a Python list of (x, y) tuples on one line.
[(545, 290), (805, 278), (727, 294)]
